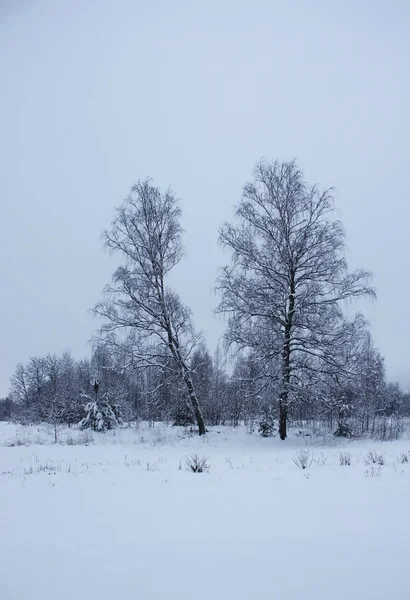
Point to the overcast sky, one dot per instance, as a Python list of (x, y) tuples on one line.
[(96, 94)]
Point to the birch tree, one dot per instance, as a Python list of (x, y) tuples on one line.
[(288, 278), (144, 319), (371, 383)]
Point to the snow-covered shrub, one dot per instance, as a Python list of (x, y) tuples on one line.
[(228, 461), (321, 460), (158, 438), (374, 458), (82, 439), (345, 459), (343, 430), (267, 427), (17, 441), (101, 414), (303, 459), (373, 471), (404, 457), (302, 433), (197, 464), (250, 425)]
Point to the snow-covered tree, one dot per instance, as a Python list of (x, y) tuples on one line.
[(101, 412), (288, 279), (144, 319)]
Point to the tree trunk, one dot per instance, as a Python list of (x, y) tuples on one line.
[(173, 345), (194, 402), (283, 415), (284, 396), (199, 416)]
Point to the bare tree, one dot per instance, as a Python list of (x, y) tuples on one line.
[(20, 387), (145, 320), (370, 383), (54, 415), (52, 409), (27, 388), (285, 288)]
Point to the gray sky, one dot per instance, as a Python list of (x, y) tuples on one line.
[(96, 94)]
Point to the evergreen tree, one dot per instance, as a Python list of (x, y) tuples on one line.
[(101, 412)]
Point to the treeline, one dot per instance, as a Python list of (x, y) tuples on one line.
[(299, 357), (57, 390)]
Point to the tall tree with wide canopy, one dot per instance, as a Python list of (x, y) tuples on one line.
[(288, 279)]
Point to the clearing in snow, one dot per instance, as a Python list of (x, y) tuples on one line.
[(120, 516)]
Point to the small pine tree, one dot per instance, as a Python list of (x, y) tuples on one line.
[(101, 413), (267, 426), (343, 430), (113, 411)]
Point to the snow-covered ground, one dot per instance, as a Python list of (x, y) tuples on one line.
[(120, 517)]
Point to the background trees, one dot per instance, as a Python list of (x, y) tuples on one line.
[(362, 400), (6, 409)]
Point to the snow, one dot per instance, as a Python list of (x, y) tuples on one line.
[(121, 517)]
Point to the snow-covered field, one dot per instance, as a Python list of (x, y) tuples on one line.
[(120, 517)]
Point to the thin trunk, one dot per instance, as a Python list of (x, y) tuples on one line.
[(173, 345), (284, 396)]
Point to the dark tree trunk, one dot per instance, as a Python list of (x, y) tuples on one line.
[(286, 369), (283, 415)]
